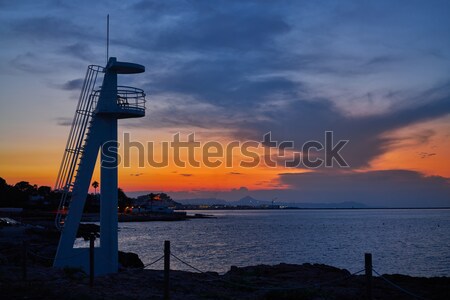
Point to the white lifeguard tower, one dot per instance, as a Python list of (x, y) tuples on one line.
[(94, 131)]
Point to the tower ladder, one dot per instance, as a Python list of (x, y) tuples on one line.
[(79, 132)]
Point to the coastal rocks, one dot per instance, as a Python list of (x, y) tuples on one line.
[(290, 281), (130, 260), (282, 269), (264, 282)]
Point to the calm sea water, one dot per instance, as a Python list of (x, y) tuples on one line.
[(407, 241)]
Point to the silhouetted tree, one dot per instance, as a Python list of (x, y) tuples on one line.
[(44, 191), (24, 186), (4, 193), (3, 183)]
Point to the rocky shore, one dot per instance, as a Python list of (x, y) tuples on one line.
[(282, 281)]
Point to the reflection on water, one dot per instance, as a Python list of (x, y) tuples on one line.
[(413, 242)]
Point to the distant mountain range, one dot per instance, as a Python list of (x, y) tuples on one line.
[(250, 201)]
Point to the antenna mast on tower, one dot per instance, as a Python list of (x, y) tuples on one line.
[(107, 38)]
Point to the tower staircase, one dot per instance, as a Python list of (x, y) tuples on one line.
[(79, 133)]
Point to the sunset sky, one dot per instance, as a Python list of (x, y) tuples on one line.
[(376, 73)]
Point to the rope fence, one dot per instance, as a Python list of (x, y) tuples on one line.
[(153, 262), (368, 269), (23, 255), (312, 285), (398, 287)]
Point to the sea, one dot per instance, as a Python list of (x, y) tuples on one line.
[(414, 242)]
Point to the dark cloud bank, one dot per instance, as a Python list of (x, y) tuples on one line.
[(240, 68)]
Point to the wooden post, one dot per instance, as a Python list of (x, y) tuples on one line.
[(368, 267), (24, 261), (91, 259), (166, 269)]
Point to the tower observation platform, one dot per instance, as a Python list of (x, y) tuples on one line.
[(130, 103)]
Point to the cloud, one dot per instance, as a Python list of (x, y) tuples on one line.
[(241, 189), (78, 50), (174, 111), (137, 174), (302, 121), (64, 121), (73, 85), (250, 68), (205, 27), (51, 28), (388, 188), (426, 154), (222, 82), (186, 175), (299, 118), (30, 63), (391, 188)]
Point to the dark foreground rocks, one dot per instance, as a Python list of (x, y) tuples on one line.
[(130, 260), (282, 281)]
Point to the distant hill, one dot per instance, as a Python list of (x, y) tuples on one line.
[(249, 201)]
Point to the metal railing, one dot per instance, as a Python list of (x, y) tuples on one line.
[(128, 98)]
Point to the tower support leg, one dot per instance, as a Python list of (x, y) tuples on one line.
[(109, 196)]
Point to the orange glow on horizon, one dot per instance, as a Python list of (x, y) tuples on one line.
[(423, 147), (199, 179)]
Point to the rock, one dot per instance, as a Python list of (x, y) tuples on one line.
[(263, 282), (233, 269), (130, 260)]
